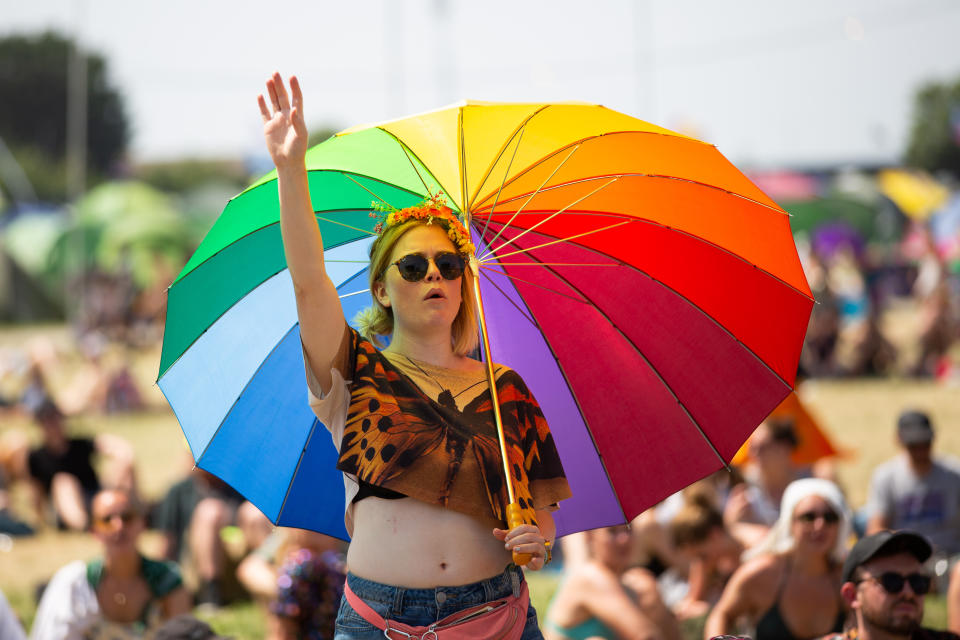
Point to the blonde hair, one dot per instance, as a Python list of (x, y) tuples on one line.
[(376, 321)]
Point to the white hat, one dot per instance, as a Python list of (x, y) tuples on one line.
[(780, 539)]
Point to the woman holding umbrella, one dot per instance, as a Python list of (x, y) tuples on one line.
[(426, 499)]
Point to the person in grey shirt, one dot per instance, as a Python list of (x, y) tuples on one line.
[(917, 490)]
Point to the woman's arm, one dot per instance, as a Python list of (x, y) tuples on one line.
[(607, 600), (176, 603), (737, 600), (258, 576), (322, 324)]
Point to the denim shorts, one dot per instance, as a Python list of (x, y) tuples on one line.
[(421, 607)]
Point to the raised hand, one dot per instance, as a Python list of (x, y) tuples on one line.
[(284, 129)]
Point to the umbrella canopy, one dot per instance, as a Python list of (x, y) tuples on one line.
[(916, 193), (648, 293)]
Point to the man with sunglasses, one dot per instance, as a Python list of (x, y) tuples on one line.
[(884, 585)]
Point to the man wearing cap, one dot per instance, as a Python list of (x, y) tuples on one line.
[(884, 585), (916, 490)]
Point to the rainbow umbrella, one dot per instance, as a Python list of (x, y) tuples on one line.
[(649, 294)]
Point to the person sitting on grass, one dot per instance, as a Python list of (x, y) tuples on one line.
[(711, 553), (120, 595), (62, 470), (753, 506), (605, 598)]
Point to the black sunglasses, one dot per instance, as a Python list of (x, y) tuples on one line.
[(893, 583), (414, 266), (809, 517)]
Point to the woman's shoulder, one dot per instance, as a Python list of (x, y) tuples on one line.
[(762, 571), (593, 576), (161, 576)]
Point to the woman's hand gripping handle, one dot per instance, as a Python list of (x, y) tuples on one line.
[(523, 539)]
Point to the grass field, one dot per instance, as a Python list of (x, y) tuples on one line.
[(859, 415)]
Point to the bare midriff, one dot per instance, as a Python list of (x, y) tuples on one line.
[(409, 543)]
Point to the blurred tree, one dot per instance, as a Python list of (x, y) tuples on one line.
[(320, 133), (33, 103), (183, 175), (935, 137)]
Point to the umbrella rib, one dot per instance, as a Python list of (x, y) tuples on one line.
[(504, 294), (559, 240), (547, 219), (303, 452), (408, 152), (630, 218), (240, 395), (532, 195), (534, 284), (493, 164), (344, 224), (354, 293), (659, 176), (551, 264), (506, 173), (589, 138), (351, 179), (403, 148)]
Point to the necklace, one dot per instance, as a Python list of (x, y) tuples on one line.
[(446, 397)]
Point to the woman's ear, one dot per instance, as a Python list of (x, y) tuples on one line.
[(380, 293)]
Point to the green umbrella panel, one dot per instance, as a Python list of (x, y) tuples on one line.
[(244, 247)]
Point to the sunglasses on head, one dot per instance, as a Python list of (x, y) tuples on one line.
[(414, 266), (809, 517), (893, 583)]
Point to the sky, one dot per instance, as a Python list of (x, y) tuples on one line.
[(771, 83)]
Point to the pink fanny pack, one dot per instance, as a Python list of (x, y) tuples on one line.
[(501, 619)]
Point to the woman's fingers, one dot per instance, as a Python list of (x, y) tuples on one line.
[(521, 530), (282, 97), (297, 94), (264, 112), (272, 92)]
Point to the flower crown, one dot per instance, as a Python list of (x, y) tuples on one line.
[(434, 207)]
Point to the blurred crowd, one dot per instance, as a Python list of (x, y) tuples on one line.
[(208, 546), (756, 550), (770, 548)]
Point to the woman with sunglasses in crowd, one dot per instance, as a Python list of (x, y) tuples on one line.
[(789, 585), (120, 595), (410, 412)]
